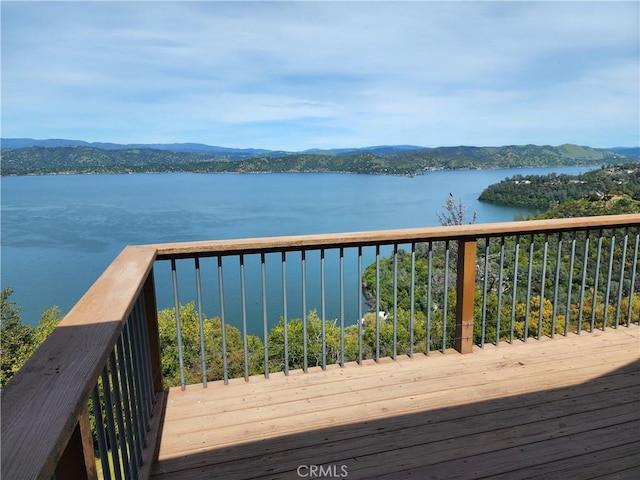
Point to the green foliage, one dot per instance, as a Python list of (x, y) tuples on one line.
[(212, 332), (18, 341), (83, 159), (591, 191)]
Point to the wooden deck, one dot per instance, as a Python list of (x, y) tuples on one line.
[(562, 408)]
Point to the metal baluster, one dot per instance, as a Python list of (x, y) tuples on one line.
[(133, 392), (584, 279), (500, 280), (146, 360), (595, 282), (223, 324), (203, 354), (412, 299), (608, 288), (243, 299), (263, 270), (514, 287), (543, 278), (285, 313), (111, 429), (341, 307), (323, 309), (567, 316), (621, 284), (556, 282), (445, 306), (633, 277), (137, 376), (484, 292), (529, 277), (377, 302), (102, 440), (176, 303), (360, 318), (127, 403), (429, 265), (395, 301), (122, 437), (304, 310)]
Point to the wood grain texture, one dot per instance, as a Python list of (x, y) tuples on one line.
[(465, 292), (353, 239), (570, 404), (42, 402)]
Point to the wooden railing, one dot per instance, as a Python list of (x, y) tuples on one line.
[(97, 350)]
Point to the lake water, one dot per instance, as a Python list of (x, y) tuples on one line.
[(60, 232)]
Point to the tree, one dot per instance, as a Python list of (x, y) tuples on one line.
[(454, 213), (17, 340)]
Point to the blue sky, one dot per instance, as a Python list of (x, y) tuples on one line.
[(299, 75)]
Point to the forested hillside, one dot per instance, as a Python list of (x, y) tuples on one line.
[(546, 191), (38, 160)]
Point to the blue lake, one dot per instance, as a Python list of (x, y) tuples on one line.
[(60, 232)]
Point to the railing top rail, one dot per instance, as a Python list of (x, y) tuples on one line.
[(167, 251), (42, 402)]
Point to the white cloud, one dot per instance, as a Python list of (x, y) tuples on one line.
[(332, 72)]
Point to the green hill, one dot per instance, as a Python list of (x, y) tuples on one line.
[(375, 160), (546, 191)]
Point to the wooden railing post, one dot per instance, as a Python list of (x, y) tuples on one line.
[(78, 462), (466, 283), (151, 314)]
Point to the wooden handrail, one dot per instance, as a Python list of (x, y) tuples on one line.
[(43, 401), (381, 237)]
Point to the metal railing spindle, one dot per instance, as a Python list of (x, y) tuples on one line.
[(120, 420), (203, 353), (395, 301), (243, 299), (223, 323), (621, 282), (633, 278), (514, 289), (543, 279), (111, 429), (412, 318), (529, 283), (360, 317), (595, 282), (134, 455), (429, 277), (304, 311), (605, 317), (567, 315), (341, 307), (583, 282), (100, 433), (285, 313), (323, 329), (445, 306), (500, 288), (377, 303), (485, 283), (263, 276), (176, 301), (556, 282)]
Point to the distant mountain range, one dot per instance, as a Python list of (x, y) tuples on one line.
[(23, 156)]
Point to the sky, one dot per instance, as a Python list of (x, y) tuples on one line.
[(301, 75)]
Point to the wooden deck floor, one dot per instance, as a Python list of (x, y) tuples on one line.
[(562, 408)]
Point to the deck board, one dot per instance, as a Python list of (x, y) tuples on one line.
[(569, 404)]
